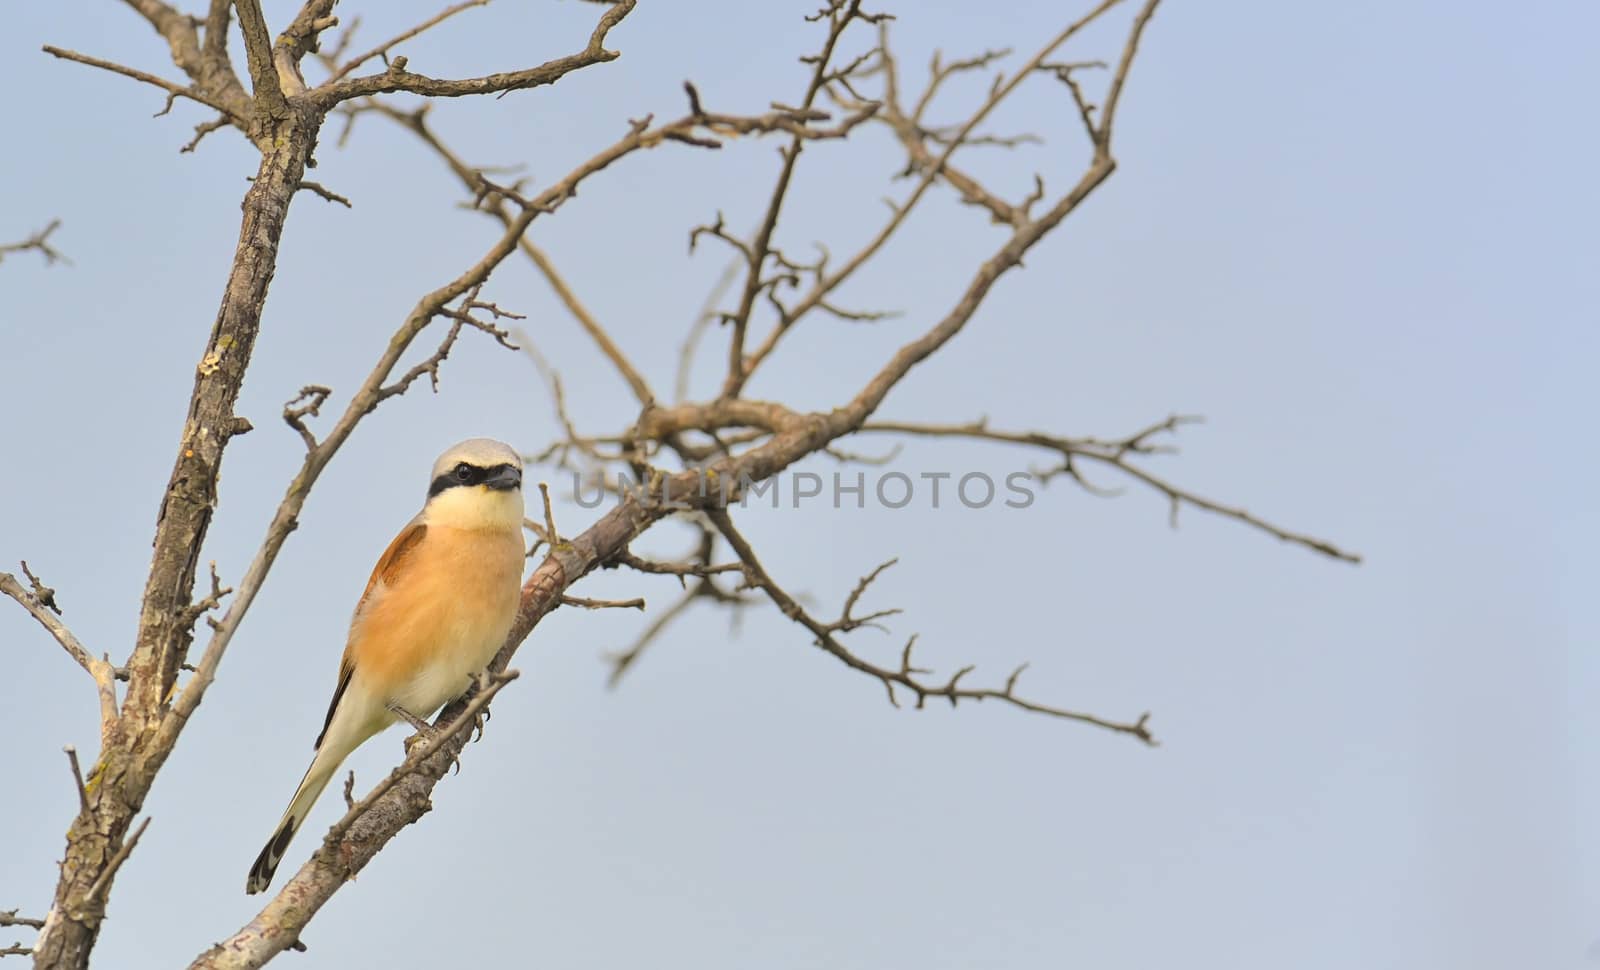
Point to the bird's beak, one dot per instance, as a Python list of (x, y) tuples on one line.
[(504, 478)]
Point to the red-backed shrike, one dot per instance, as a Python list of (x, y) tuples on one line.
[(436, 610)]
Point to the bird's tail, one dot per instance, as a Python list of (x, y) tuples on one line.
[(322, 768)]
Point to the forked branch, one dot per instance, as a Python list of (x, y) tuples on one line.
[(398, 79), (39, 242), (1118, 454), (904, 676)]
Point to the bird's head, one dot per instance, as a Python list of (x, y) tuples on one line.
[(476, 484)]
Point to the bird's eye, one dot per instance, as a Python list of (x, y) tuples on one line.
[(463, 471)]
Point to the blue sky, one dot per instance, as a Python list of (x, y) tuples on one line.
[(1358, 238)]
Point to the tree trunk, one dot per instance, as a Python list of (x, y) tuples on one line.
[(130, 754)]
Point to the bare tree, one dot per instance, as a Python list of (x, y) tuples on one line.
[(696, 455)]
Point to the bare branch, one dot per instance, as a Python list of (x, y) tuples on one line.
[(397, 78), (591, 326), (299, 39), (209, 602), (9, 917), (178, 29), (679, 569), (637, 603), (846, 622), (914, 137), (308, 402), (102, 883), (622, 660), (219, 14), (697, 329), (585, 445), (473, 179), (207, 67), (173, 90), (938, 73), (839, 18), (77, 778), (1115, 454), (551, 537), (269, 94), (904, 676), (44, 594), (1026, 231), (203, 129), (718, 230), (40, 604), (1063, 73), (800, 124), (429, 366), (326, 193), (697, 564), (1114, 94), (38, 242), (382, 50)]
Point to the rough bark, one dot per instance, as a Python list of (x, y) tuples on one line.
[(119, 781)]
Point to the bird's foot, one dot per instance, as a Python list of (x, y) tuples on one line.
[(425, 732), (482, 681)]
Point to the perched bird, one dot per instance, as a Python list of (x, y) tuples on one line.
[(436, 610)]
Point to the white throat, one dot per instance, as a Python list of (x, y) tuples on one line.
[(475, 507)]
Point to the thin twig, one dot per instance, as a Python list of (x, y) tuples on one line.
[(173, 90), (405, 35), (39, 242), (101, 670), (622, 660), (697, 330), (103, 881), (906, 675), (325, 192), (77, 777), (839, 18), (327, 96), (550, 534), (9, 917), (1025, 231), (591, 326), (1115, 453), (679, 569)]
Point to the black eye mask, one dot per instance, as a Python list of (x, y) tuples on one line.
[(502, 476)]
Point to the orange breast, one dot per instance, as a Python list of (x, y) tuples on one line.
[(439, 615)]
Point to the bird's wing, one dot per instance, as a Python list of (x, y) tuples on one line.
[(393, 561), (390, 565)]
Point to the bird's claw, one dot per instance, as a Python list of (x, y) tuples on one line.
[(482, 681), (425, 732), (426, 735)]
